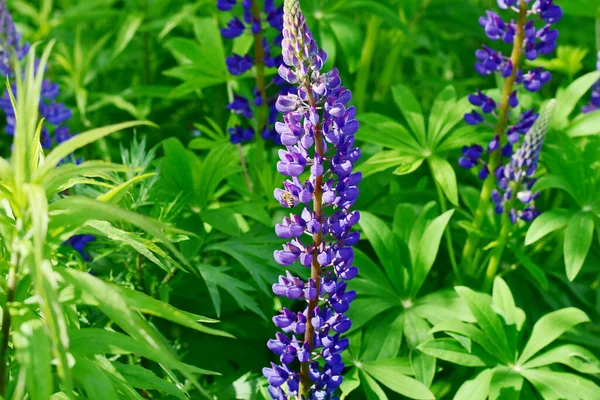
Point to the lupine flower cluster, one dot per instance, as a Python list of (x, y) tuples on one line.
[(538, 39), (239, 64), (56, 115), (595, 101), (516, 179), (318, 135)]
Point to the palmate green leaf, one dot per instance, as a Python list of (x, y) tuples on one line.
[(218, 278), (476, 388), (572, 355), (222, 219), (33, 353), (505, 384), (550, 221), (76, 142), (141, 378), (385, 245), (536, 273), (427, 251), (384, 338), (578, 240), (384, 160), (445, 176), (411, 109), (390, 377), (560, 386), (115, 305), (351, 382), (371, 388), (568, 98), (503, 301), (441, 109), (452, 351), (416, 330), (549, 328), (490, 322), (468, 331)]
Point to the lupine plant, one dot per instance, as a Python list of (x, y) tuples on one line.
[(174, 263)]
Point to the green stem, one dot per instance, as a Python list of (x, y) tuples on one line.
[(315, 274), (366, 59), (259, 60), (496, 259), (495, 157), (447, 232), (11, 284)]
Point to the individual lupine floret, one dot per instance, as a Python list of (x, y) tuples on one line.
[(256, 22), (318, 131), (516, 180)]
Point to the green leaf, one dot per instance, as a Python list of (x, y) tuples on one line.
[(398, 382), (550, 221), (536, 273), (384, 160), (94, 380), (560, 386), (128, 29), (384, 338), (503, 301), (585, 125), (568, 99), (452, 351), (384, 131), (442, 107), (416, 330), (445, 176), (372, 389), (351, 382), (427, 251), (476, 388), (578, 240), (506, 384), (384, 243), (78, 141), (141, 378), (572, 355), (411, 109), (117, 193), (222, 219), (490, 322), (549, 328), (33, 352)]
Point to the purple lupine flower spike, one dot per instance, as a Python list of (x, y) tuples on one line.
[(515, 180), (595, 100), (535, 42), (255, 22), (318, 134)]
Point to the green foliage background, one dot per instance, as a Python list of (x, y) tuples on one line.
[(183, 241)]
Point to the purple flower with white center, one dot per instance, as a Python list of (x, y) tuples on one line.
[(255, 22), (515, 180), (529, 42), (595, 100), (317, 131)]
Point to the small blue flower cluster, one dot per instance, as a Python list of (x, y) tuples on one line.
[(239, 64), (55, 114), (595, 100), (536, 40)]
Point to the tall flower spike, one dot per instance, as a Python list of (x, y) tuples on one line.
[(516, 179), (318, 134), (530, 41), (595, 100), (262, 25)]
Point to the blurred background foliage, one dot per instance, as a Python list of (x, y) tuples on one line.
[(164, 61)]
